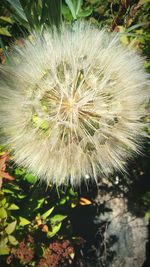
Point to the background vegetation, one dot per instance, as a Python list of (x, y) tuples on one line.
[(38, 224)]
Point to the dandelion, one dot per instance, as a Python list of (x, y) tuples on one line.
[(72, 104)]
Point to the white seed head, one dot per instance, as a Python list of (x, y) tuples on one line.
[(72, 103)]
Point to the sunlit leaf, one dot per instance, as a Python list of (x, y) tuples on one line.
[(4, 31), (57, 218), (39, 204), (73, 205), (30, 178), (8, 191), (62, 201), (6, 19), (19, 171), (13, 207), (3, 201), (10, 228), (55, 229), (12, 240), (23, 221), (3, 213), (4, 249), (124, 39), (47, 213)]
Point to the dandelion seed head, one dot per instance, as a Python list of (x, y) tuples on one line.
[(72, 103)]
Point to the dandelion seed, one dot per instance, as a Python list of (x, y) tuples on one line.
[(72, 104)]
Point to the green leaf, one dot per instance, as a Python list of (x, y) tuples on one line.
[(21, 196), (19, 171), (136, 26), (18, 8), (85, 13), (23, 221), (124, 39), (4, 31), (55, 229), (79, 4), (13, 207), (4, 249), (72, 8), (3, 213), (8, 191), (73, 205), (30, 178), (62, 201), (15, 187), (12, 240), (72, 192), (6, 19), (10, 228), (39, 203), (147, 215), (47, 213), (3, 202), (57, 218), (66, 13)]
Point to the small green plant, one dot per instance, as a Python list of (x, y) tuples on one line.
[(33, 216)]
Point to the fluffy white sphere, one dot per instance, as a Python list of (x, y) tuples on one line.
[(72, 103)]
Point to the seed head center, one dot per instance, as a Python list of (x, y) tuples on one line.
[(69, 104)]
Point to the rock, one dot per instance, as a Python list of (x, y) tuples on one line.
[(125, 235)]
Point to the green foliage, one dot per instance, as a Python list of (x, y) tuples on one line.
[(7, 227), (26, 206), (35, 14), (76, 10)]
